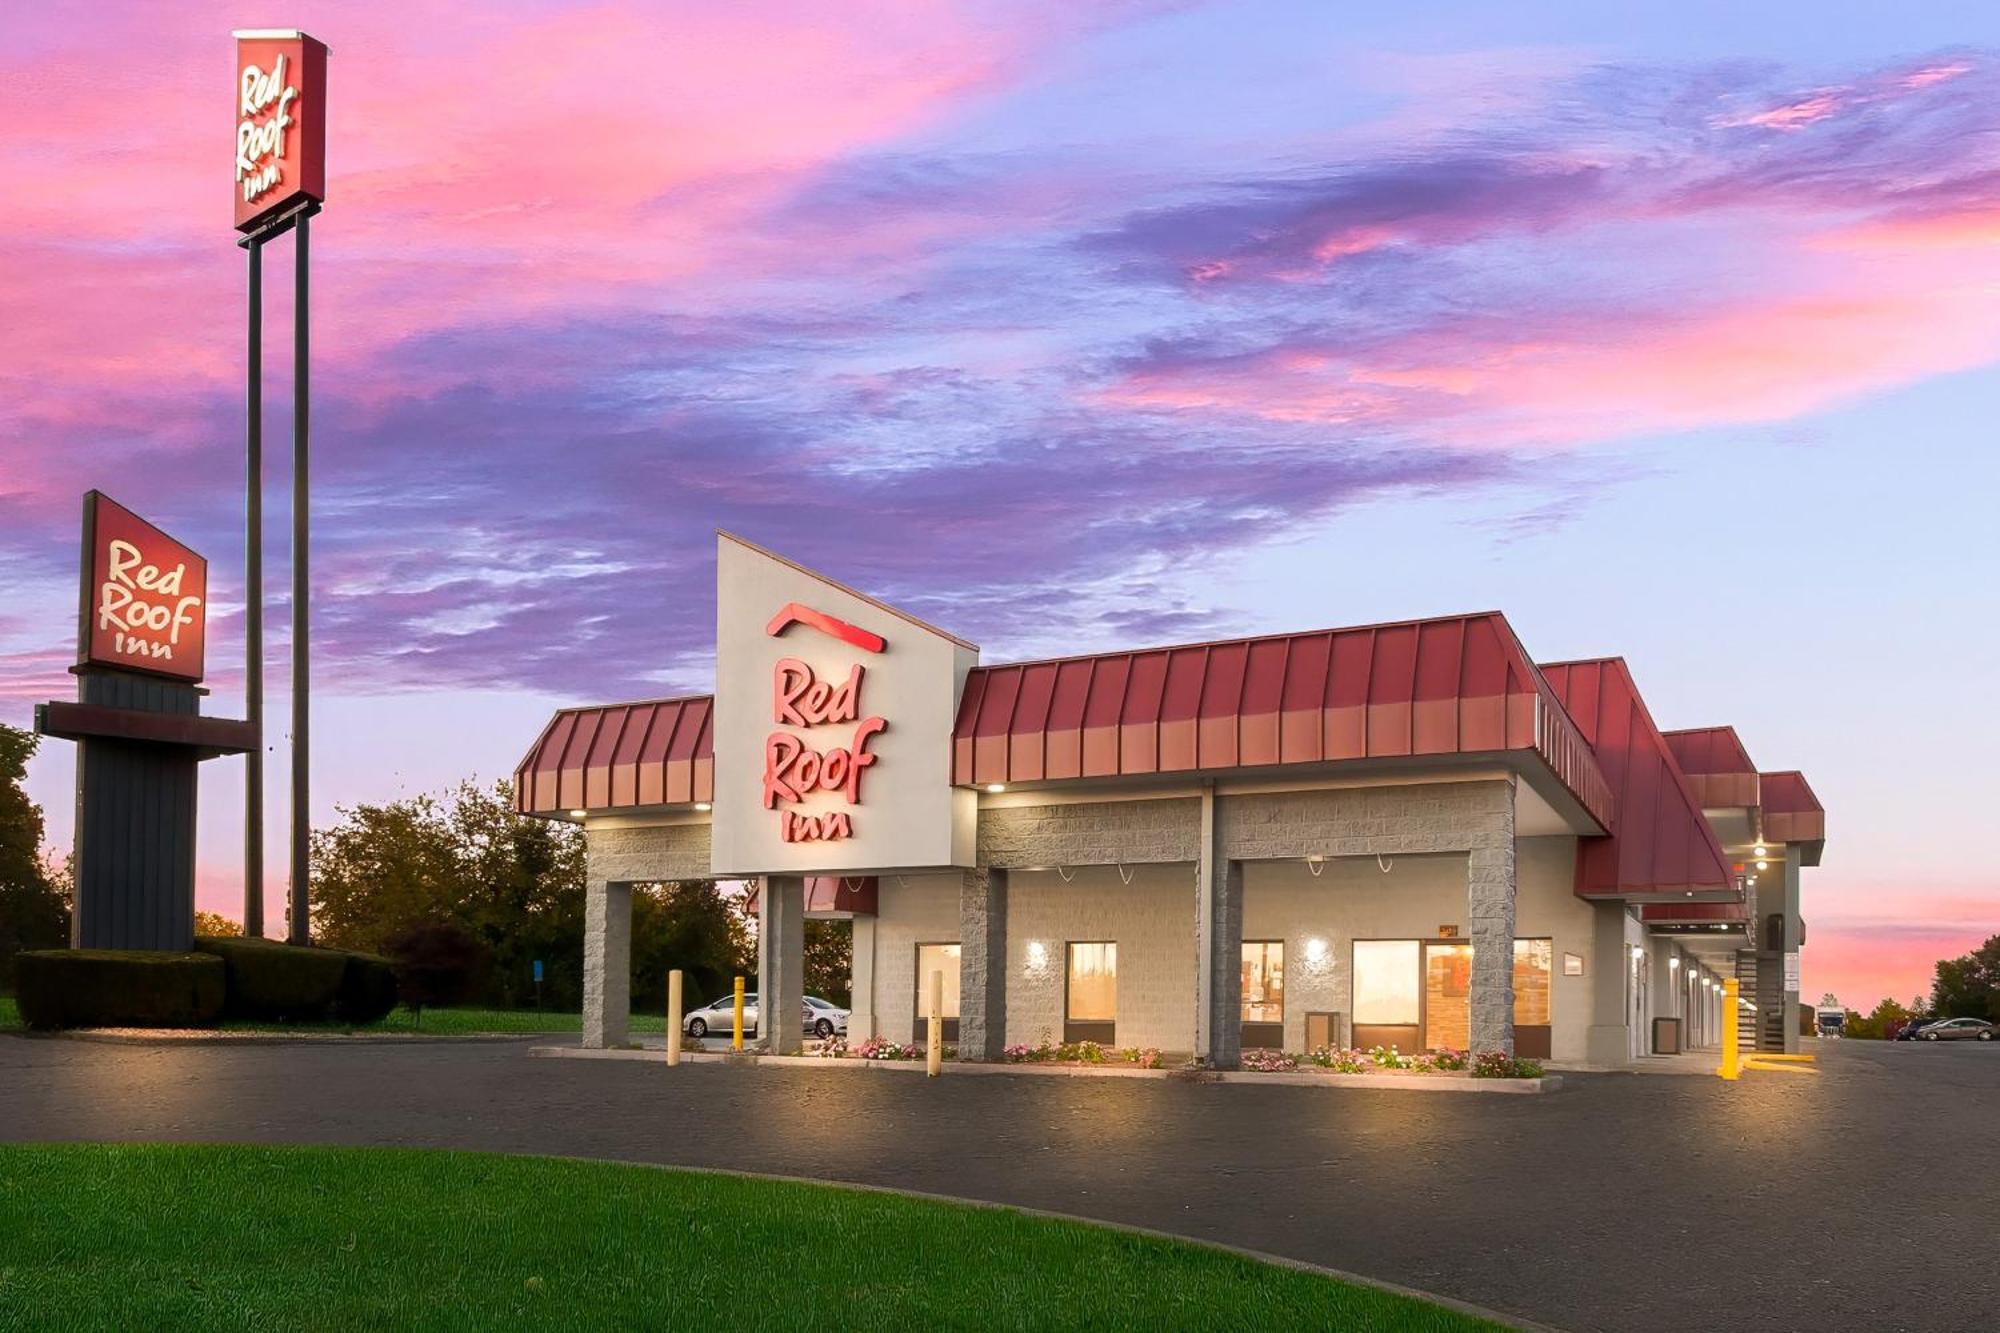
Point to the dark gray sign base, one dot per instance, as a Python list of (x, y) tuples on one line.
[(138, 739)]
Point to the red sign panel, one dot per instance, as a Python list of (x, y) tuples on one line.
[(280, 101), (145, 596), (794, 769)]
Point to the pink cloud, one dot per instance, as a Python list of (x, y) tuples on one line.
[(1809, 110), (565, 163)]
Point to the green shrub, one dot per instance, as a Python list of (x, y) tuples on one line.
[(269, 979), (367, 989), (85, 988)]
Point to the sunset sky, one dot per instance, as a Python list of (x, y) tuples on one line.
[(1670, 330)]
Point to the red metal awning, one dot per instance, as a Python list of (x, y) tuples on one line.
[(834, 895), (1454, 685), (1792, 813), (1661, 843), (1694, 914), (620, 756), (1717, 767)]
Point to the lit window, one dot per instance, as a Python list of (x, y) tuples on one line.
[(1263, 981), (1387, 983), (937, 958), (1093, 983), (1533, 962)]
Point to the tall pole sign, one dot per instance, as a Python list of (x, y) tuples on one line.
[(279, 97), (142, 626)]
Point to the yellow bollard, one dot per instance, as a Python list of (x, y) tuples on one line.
[(934, 1029), (736, 1042), (673, 1018), (1732, 1059)]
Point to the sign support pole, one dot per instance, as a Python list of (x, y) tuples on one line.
[(301, 596), (253, 607)]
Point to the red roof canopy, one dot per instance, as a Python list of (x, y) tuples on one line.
[(1718, 768), (659, 752), (1791, 812), (1661, 842), (1694, 913), (1455, 685)]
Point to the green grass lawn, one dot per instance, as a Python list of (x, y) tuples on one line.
[(442, 1022), (158, 1237)]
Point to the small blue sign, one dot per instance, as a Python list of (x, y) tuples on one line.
[(538, 969)]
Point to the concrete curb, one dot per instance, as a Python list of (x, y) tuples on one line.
[(1300, 1079)]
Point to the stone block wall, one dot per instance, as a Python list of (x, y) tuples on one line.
[(1151, 920), (1090, 834)]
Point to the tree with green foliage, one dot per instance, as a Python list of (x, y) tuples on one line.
[(34, 897), (829, 960), (695, 925), (514, 883), (1875, 1025), (1969, 986)]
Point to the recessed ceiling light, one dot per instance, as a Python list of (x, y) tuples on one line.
[(576, 814), (703, 805), (1763, 865), (1760, 849), (996, 786)]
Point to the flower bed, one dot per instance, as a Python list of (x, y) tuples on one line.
[(1389, 1060), (875, 1048), (1080, 1053)]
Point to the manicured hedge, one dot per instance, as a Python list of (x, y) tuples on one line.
[(273, 980), (367, 989), (269, 979), (83, 988)]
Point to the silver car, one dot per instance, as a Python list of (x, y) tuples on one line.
[(1959, 1029), (822, 1018)]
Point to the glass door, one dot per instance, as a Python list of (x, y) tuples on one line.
[(1448, 996)]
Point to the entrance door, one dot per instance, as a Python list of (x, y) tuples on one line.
[(1448, 996)]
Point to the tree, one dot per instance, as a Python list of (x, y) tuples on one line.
[(215, 923), (1969, 986), (1876, 1025), (695, 925), (34, 898), (829, 960), (514, 883), (436, 964)]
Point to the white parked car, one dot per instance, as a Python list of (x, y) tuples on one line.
[(822, 1018)]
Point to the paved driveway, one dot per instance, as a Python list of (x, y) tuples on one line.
[(1623, 1202)]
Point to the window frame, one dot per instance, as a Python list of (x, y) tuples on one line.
[(1069, 968), (1242, 1002)]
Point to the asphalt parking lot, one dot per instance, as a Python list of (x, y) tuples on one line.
[(1623, 1202)]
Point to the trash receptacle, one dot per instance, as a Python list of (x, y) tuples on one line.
[(1666, 1036)]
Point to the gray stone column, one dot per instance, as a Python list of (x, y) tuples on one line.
[(861, 1001), (781, 965), (982, 964), (607, 963), (1218, 1020), (1489, 911), (1610, 1035), (1794, 942)]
